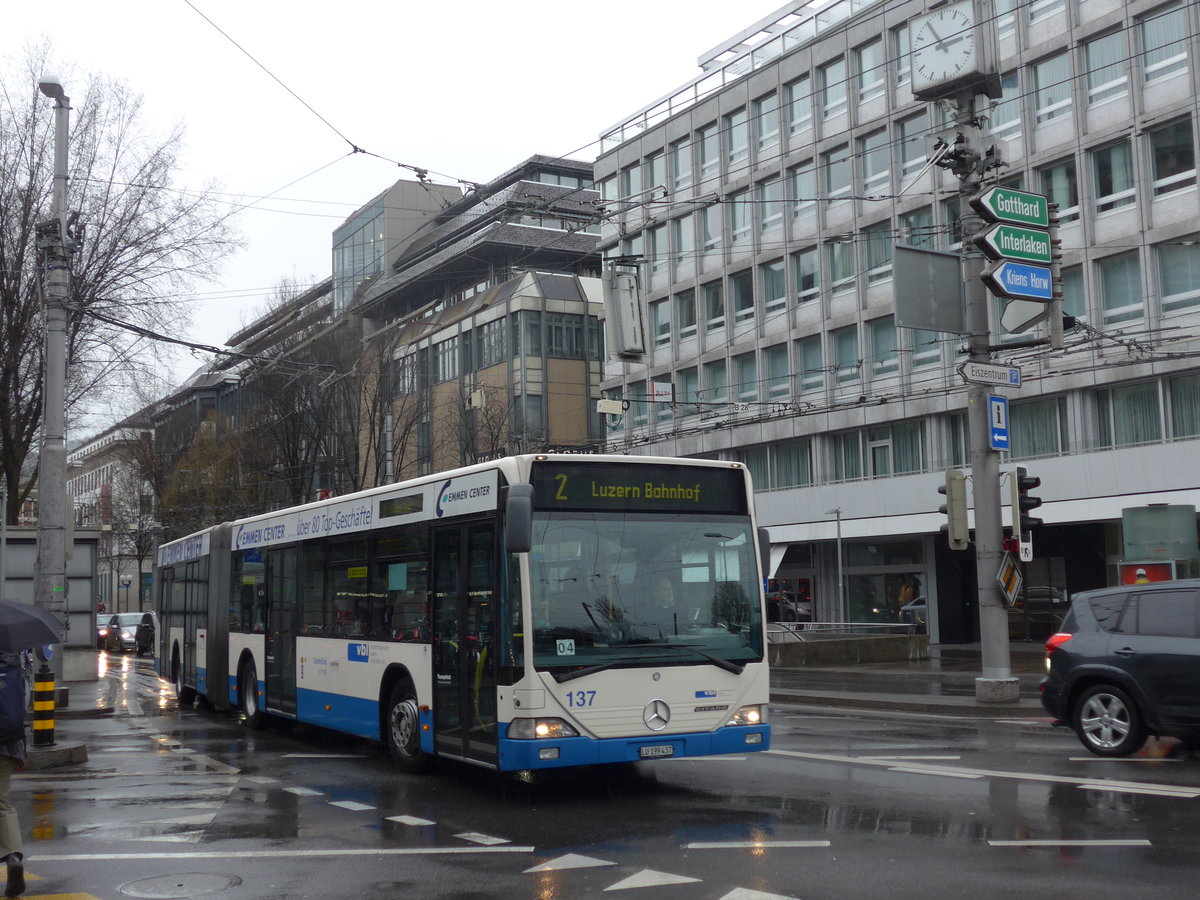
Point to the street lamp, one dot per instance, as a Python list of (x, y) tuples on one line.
[(125, 582), (51, 586), (837, 511)]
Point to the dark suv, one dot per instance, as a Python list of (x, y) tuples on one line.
[(1126, 663)]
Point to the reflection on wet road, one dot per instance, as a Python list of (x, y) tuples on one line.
[(846, 804)]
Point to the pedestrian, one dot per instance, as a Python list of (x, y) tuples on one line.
[(1139, 577), (12, 760)]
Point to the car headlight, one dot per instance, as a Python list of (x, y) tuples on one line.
[(749, 715), (540, 729)]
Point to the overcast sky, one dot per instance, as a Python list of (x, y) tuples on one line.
[(464, 88)]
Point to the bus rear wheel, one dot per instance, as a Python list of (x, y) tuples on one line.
[(248, 695), (403, 727)]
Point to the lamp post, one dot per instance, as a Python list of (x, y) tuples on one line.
[(51, 586), (125, 582), (837, 511)]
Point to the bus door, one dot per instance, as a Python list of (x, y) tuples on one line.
[(282, 610), (464, 617)]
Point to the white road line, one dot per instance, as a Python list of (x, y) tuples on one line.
[(1125, 759), (277, 854), (302, 791), (1154, 792), (650, 878), (752, 845), (1132, 842), (941, 773), (485, 840), (410, 820), (324, 756), (1184, 792), (352, 805), (913, 756)]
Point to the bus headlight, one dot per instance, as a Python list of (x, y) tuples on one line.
[(748, 715), (540, 729)]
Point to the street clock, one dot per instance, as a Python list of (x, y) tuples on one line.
[(950, 53)]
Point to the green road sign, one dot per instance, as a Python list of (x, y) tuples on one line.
[(1013, 242), (1019, 207)]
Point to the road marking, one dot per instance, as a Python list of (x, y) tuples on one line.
[(281, 854), (913, 756), (485, 839), (1132, 842), (942, 773), (570, 861), (205, 819), (1126, 759), (650, 878), (324, 756), (1184, 792), (352, 805), (753, 845), (410, 820), (302, 791), (1152, 791), (747, 894)]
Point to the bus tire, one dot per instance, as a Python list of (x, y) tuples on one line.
[(248, 695), (184, 694), (402, 727)]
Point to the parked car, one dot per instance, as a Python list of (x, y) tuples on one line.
[(915, 613), (121, 634), (782, 606), (146, 636), (1126, 664)]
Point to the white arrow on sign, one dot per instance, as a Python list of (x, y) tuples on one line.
[(1021, 315)]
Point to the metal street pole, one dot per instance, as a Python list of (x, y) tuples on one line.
[(996, 684), (50, 581), (837, 511)]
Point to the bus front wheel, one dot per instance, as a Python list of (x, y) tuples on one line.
[(184, 694), (248, 695), (404, 729)]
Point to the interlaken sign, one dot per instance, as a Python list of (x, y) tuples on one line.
[(1017, 242)]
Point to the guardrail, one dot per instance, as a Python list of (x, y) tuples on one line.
[(782, 632)]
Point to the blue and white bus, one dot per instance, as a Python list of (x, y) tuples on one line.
[(494, 614)]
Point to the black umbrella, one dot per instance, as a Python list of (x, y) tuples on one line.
[(23, 625)]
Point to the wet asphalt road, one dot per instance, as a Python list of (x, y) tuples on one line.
[(847, 804)]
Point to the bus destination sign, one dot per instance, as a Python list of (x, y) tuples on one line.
[(636, 486)]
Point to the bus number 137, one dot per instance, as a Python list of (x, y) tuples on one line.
[(581, 698)]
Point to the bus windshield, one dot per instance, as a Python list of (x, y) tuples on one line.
[(639, 588)]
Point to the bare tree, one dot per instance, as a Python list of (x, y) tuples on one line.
[(140, 244)]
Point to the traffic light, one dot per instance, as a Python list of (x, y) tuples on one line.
[(1022, 503), (957, 528)]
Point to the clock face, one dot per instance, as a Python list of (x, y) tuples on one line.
[(943, 46)]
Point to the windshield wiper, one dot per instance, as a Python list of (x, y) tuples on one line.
[(560, 677), (726, 664)]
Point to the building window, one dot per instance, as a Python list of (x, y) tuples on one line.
[(770, 204), (741, 291), (739, 217), (737, 138), (901, 55), (895, 449), (766, 121), (716, 382), (708, 150), (685, 313), (681, 165), (778, 383), (791, 463), (912, 144), (951, 209), (847, 361), (926, 347), (885, 360), (880, 240), (1185, 405), (684, 238), (531, 416), (836, 166), (1042, 9), (446, 358), (656, 171), (870, 69), (564, 335), (805, 275), (810, 367), (1130, 415), (638, 407), (799, 104), (1061, 187), (1074, 299), (1120, 287), (916, 228), (847, 455), (774, 287), (1006, 19), (1038, 428), (802, 181), (711, 223), (746, 367), (688, 391), (1053, 78), (1174, 157), (1179, 275), (658, 253), (841, 265), (714, 305), (489, 344), (1112, 177), (833, 88), (660, 315), (631, 181), (1107, 60), (1164, 36), (1006, 117), (875, 157)]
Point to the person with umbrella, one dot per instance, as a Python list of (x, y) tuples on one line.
[(22, 626)]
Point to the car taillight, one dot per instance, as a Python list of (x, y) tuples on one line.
[(1054, 642)]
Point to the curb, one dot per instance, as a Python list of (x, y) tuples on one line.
[(1032, 710), (63, 753)]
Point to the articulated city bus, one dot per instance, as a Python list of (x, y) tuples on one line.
[(535, 611)]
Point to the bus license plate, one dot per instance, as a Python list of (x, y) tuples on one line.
[(657, 751)]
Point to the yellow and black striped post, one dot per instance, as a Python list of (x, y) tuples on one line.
[(43, 707)]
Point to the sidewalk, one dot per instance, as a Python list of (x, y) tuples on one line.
[(943, 684), (87, 700)]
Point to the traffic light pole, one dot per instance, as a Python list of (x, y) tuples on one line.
[(996, 684)]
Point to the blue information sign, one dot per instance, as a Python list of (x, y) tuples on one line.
[(1020, 281), (997, 422)]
